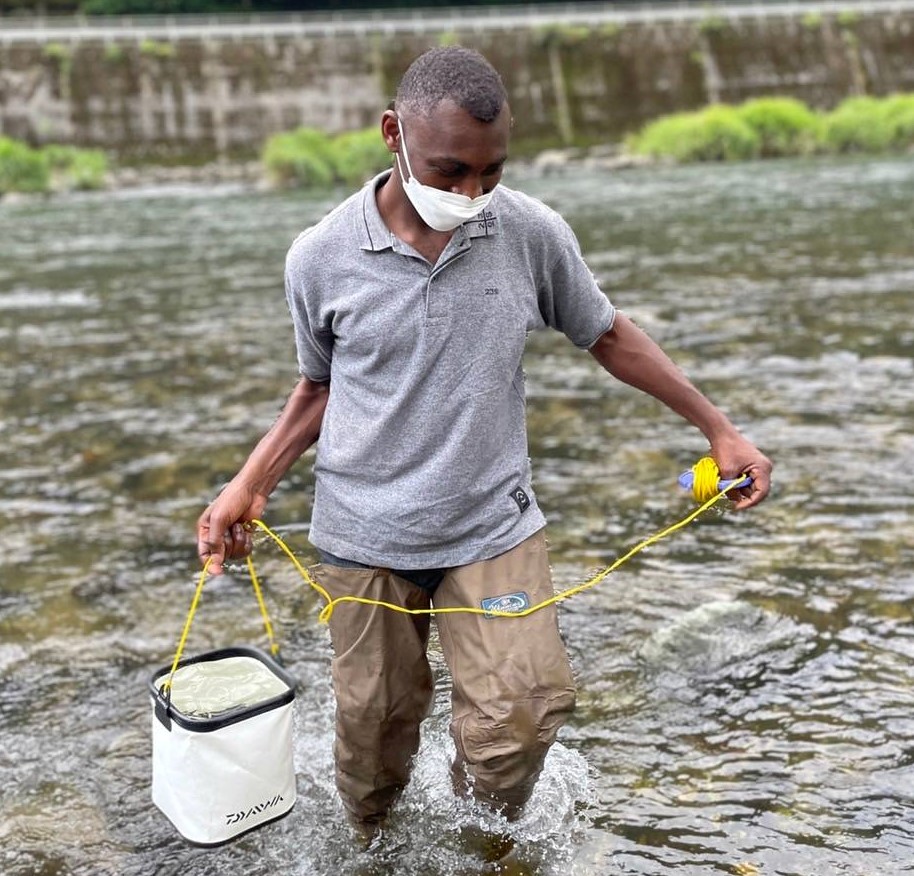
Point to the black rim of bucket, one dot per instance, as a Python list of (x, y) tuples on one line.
[(164, 708)]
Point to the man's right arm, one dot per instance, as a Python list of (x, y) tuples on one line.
[(221, 533)]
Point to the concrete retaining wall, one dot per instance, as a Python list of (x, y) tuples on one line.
[(186, 91)]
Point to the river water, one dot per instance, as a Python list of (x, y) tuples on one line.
[(746, 698)]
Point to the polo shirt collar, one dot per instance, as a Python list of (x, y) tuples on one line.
[(375, 235)]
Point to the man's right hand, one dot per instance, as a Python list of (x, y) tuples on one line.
[(222, 530)]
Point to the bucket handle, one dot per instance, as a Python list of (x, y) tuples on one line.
[(165, 689)]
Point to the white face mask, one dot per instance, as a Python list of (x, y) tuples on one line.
[(440, 210)]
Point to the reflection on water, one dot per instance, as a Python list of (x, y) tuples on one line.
[(746, 690)]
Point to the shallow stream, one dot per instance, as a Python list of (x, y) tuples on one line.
[(746, 700)]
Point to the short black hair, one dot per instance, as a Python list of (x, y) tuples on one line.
[(452, 73)]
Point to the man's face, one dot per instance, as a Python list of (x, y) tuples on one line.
[(452, 151)]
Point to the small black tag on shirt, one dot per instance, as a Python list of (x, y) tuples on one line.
[(522, 499)]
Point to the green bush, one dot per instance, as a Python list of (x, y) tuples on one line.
[(869, 124), (859, 124), (300, 157), (80, 169), (359, 155), (776, 126), (308, 157), (716, 133), (899, 111), (784, 126), (22, 169)]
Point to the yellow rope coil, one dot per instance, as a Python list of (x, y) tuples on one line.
[(705, 479)]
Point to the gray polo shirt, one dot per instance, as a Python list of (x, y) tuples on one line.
[(422, 458)]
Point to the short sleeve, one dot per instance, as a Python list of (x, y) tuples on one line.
[(313, 339), (570, 299)]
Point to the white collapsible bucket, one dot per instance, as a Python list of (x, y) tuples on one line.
[(220, 775)]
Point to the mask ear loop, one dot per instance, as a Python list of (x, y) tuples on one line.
[(405, 153)]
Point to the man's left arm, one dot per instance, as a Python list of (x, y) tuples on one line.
[(630, 355)]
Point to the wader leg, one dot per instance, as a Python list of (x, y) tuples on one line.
[(383, 686), (512, 683)]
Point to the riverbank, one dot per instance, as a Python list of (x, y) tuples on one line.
[(769, 127), (249, 173), (766, 127), (187, 88), (253, 175)]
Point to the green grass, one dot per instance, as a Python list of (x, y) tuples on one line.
[(72, 168), (300, 157), (869, 124), (307, 157), (784, 126), (22, 169), (359, 155), (53, 168), (779, 126), (716, 133)]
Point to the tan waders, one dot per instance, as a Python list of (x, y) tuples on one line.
[(512, 684)]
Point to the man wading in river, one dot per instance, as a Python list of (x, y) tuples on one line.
[(411, 303)]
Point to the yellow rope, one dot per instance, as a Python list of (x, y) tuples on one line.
[(704, 488), (274, 646), (705, 473), (188, 621)]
